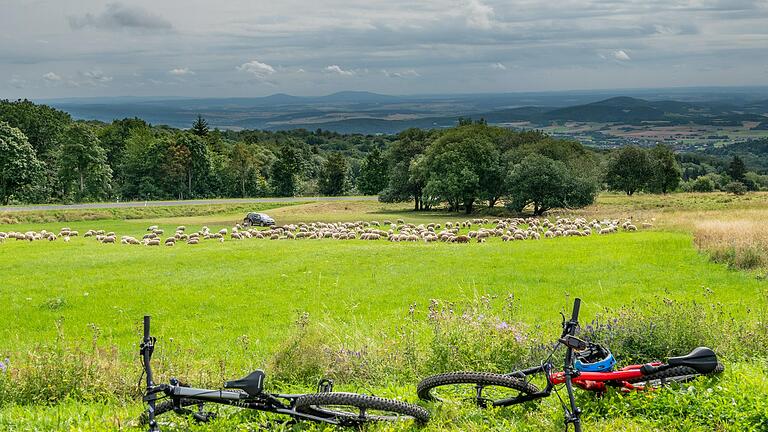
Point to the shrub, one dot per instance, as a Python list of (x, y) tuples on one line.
[(736, 188)]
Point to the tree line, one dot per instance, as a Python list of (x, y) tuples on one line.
[(45, 156)]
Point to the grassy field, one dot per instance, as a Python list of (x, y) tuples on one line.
[(222, 309)]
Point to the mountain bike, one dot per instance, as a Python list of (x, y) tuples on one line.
[(587, 365), (325, 406)]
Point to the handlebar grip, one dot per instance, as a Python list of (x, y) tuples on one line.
[(146, 326), (576, 307)]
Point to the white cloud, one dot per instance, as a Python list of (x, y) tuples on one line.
[(498, 66), (97, 77), (621, 55), (256, 68), (410, 73), (478, 14), (338, 70), (51, 77), (180, 72)]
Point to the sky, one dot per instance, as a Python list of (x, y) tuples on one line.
[(226, 48)]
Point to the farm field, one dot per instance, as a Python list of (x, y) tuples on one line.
[(298, 308)]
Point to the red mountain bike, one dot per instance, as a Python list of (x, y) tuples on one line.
[(587, 365)]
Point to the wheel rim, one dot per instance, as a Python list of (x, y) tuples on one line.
[(352, 412), (478, 394)]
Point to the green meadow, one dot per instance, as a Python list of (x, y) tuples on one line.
[(222, 309)]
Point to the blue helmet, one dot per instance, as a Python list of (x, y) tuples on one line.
[(594, 359)]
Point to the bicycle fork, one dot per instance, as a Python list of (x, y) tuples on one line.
[(574, 414)]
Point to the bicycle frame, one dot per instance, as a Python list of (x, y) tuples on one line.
[(268, 402)]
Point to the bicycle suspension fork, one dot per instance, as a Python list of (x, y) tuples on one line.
[(147, 347)]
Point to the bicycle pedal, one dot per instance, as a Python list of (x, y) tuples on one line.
[(325, 386), (204, 417)]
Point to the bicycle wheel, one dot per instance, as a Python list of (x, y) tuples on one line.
[(677, 374), (353, 409), (164, 407), (483, 388)]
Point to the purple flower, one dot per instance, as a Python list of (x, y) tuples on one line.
[(502, 326), (5, 364)]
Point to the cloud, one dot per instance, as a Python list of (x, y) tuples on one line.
[(621, 55), (478, 14), (97, 77), (17, 82), (498, 66), (51, 77), (338, 70), (180, 72), (118, 16), (410, 73), (256, 68)]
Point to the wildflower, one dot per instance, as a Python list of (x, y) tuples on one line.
[(5, 364), (502, 326)]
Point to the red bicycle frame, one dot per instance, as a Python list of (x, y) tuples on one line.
[(597, 381)]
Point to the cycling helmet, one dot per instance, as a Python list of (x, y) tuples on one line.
[(594, 359)]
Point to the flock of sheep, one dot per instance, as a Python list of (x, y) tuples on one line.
[(478, 230)]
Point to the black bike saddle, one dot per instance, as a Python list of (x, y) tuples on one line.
[(253, 384), (702, 360)]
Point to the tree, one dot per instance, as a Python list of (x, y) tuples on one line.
[(43, 126), (18, 162), (547, 184), (333, 177), (84, 163), (629, 170), (405, 183), (737, 169), (245, 165), (199, 163), (285, 172), (200, 127), (665, 171), (462, 166), (373, 176)]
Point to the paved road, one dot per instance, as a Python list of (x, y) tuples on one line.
[(181, 203)]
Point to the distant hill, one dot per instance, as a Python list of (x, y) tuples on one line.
[(366, 112)]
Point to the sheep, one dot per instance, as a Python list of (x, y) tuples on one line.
[(181, 228), (631, 227), (223, 231), (108, 239), (462, 239), (152, 228), (192, 241), (170, 241), (153, 242)]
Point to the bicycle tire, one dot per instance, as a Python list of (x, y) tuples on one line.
[(321, 405), (483, 379), (164, 407), (677, 374)]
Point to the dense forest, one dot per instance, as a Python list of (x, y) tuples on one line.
[(46, 157)]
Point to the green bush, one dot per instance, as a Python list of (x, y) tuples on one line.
[(736, 188)]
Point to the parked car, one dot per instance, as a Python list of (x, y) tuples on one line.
[(258, 219)]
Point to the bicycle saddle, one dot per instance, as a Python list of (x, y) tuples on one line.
[(253, 384), (702, 360)]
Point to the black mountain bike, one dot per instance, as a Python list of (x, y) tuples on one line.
[(326, 406), (587, 366)]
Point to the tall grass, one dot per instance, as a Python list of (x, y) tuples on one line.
[(742, 244)]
